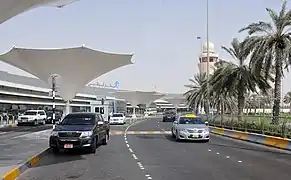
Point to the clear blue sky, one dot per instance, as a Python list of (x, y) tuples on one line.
[(161, 33)]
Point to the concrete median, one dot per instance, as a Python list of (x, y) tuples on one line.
[(277, 142)]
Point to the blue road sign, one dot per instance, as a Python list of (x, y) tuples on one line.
[(117, 84)]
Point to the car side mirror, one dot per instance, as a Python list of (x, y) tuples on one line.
[(100, 122), (175, 122), (206, 123)]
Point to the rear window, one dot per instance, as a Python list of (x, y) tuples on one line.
[(117, 115), (30, 113), (190, 120), (79, 119)]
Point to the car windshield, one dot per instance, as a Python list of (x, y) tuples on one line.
[(117, 115), (170, 113), (190, 120), (30, 113), (73, 119)]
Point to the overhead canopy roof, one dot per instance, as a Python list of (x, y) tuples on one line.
[(138, 97), (76, 66), (176, 101), (11, 8)]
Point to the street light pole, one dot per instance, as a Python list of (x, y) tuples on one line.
[(207, 72)]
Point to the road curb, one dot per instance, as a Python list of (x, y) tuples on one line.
[(272, 141), (31, 162), (7, 125)]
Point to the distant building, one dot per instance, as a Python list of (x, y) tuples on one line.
[(213, 58)]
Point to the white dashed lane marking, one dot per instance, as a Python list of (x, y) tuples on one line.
[(227, 157), (148, 176)]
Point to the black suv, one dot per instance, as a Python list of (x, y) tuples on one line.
[(80, 130), (169, 116), (49, 115)]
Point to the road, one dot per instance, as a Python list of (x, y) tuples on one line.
[(138, 157)]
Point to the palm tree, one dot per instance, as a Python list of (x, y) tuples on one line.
[(271, 46), (198, 90), (194, 96), (287, 99), (237, 78)]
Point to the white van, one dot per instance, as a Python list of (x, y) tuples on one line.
[(117, 118)]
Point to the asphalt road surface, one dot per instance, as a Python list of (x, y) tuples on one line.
[(138, 157)]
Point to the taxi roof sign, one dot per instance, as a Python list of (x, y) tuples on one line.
[(190, 116)]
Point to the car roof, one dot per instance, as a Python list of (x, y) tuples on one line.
[(83, 113), (190, 116)]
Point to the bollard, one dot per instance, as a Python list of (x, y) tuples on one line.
[(1, 119), (7, 119), (13, 119)]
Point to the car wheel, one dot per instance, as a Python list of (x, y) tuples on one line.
[(56, 150), (173, 135), (105, 140), (177, 136), (93, 146), (206, 140)]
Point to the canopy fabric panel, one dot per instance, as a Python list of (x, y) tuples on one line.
[(76, 66), (138, 97), (11, 8), (176, 101)]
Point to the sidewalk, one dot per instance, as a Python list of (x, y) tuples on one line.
[(18, 149), (9, 124)]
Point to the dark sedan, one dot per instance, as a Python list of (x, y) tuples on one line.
[(169, 116), (80, 131)]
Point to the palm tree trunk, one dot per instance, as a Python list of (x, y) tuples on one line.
[(222, 113), (241, 103), (277, 89)]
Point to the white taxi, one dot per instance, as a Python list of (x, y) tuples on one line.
[(190, 127)]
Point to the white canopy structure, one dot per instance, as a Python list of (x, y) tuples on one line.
[(138, 97), (176, 101), (11, 8), (76, 66)]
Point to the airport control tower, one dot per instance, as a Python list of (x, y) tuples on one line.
[(213, 58)]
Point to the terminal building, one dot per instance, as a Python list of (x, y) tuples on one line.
[(20, 93)]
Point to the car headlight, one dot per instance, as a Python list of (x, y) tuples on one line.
[(206, 130), (48, 117), (54, 133), (183, 130), (86, 133)]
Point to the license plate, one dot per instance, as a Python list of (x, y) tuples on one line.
[(68, 146), (194, 135)]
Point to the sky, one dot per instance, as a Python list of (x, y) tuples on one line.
[(162, 34)]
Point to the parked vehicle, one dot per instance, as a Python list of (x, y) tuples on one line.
[(58, 117), (34, 117)]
